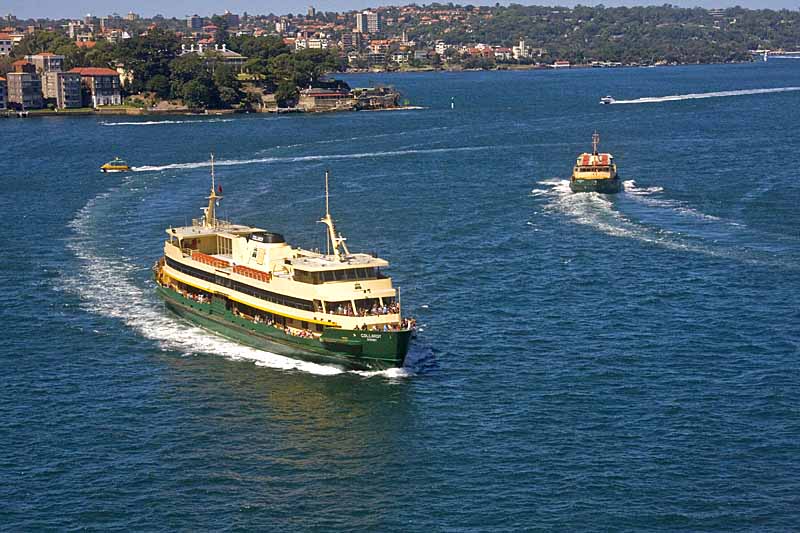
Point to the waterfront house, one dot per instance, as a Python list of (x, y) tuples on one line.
[(376, 59), (312, 43), (24, 90), (375, 97), (401, 57), (3, 93), (63, 87), (379, 46), (216, 53), (441, 47), (21, 65), (46, 62), (102, 85), (503, 54), (319, 99)]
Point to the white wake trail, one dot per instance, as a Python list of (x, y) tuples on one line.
[(601, 213), (698, 96), (163, 122), (107, 288), (298, 159)]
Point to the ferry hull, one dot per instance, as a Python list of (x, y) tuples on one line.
[(349, 349), (604, 186)]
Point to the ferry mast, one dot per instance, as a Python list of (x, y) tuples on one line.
[(209, 216), (335, 241)]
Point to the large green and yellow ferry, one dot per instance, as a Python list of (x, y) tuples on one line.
[(595, 172), (249, 285)]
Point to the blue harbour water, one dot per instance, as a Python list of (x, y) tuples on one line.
[(584, 362)]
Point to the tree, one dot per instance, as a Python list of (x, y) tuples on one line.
[(184, 69), (148, 55), (197, 95), (40, 41), (227, 85), (286, 93), (159, 84)]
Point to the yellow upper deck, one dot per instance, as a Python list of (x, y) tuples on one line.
[(594, 165)]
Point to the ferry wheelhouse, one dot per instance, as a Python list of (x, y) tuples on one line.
[(250, 285), (595, 172)]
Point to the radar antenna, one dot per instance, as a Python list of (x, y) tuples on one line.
[(595, 142)]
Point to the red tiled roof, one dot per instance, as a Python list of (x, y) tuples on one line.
[(95, 71), (5, 37), (2, 79), (86, 44), (47, 54), (20, 62)]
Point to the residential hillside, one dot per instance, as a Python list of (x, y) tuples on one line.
[(266, 61)]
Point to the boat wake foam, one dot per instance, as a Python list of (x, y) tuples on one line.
[(698, 96), (162, 122), (139, 308), (298, 159), (601, 213)]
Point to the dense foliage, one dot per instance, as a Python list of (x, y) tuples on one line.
[(157, 66), (625, 34)]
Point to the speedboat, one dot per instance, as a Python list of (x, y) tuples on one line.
[(606, 100), (115, 165)]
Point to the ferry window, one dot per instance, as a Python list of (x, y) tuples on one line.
[(302, 276), (351, 274), (340, 275), (327, 276)]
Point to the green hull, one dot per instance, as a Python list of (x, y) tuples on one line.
[(351, 349), (605, 186)]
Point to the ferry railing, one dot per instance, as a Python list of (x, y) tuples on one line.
[(218, 222)]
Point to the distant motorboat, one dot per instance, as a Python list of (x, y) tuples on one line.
[(607, 100)]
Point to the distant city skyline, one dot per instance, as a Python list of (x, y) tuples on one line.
[(52, 9)]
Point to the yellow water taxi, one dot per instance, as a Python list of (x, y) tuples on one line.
[(115, 165)]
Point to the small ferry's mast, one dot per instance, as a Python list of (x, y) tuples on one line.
[(595, 142), (335, 241), (209, 218)]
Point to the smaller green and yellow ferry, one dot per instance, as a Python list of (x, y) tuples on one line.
[(595, 172), (249, 285)]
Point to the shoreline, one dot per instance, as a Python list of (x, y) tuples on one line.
[(148, 112), (512, 67), (39, 113), (126, 111)]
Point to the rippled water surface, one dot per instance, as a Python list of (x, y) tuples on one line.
[(585, 362)]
